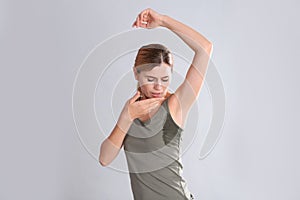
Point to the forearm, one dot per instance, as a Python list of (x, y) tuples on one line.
[(192, 38), (111, 146)]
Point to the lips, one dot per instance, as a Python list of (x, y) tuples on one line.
[(156, 94)]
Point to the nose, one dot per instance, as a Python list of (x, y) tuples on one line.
[(158, 85)]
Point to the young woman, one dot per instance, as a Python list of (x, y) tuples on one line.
[(152, 121)]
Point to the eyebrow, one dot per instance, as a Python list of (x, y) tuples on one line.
[(155, 77)]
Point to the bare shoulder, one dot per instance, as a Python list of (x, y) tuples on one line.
[(176, 112)]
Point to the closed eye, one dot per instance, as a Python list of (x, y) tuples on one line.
[(151, 79)]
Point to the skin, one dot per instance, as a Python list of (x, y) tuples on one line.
[(154, 84), (183, 98), (156, 80)]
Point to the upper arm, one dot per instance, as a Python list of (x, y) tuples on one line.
[(187, 93)]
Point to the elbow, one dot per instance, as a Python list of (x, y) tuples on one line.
[(102, 159), (103, 164), (108, 152), (207, 49)]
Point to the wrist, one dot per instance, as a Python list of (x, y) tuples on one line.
[(125, 119), (126, 115), (162, 20), (124, 122)]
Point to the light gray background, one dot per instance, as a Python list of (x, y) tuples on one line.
[(43, 43)]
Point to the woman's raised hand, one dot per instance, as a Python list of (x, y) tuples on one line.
[(148, 18)]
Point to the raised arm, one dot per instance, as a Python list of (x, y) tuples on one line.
[(190, 88), (188, 91)]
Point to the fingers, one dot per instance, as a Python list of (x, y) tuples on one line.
[(151, 102), (154, 104), (146, 106), (142, 19), (145, 17), (135, 97), (154, 100), (138, 21), (134, 24)]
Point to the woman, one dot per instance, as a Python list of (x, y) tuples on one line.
[(152, 121)]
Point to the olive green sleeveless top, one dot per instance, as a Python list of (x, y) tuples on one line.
[(152, 150)]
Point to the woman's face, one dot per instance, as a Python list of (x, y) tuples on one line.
[(154, 83)]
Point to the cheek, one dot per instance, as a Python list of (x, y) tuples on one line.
[(165, 85), (146, 87)]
